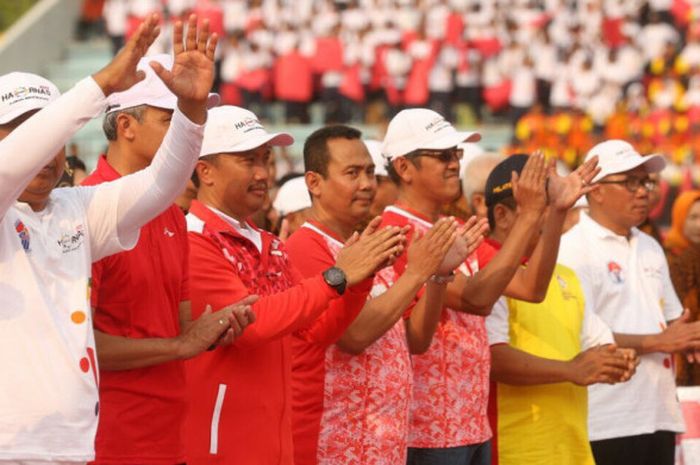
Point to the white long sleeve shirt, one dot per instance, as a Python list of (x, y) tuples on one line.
[(48, 387)]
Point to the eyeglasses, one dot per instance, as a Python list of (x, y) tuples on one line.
[(444, 156), (632, 184)]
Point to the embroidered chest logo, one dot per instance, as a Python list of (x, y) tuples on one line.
[(73, 240), (23, 234), (615, 273), (167, 232)]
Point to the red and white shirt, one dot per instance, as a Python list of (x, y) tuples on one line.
[(359, 414), (451, 379), (239, 396)]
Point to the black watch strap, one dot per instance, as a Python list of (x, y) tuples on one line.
[(335, 278)]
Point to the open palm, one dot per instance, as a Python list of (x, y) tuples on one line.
[(192, 74), (563, 191)]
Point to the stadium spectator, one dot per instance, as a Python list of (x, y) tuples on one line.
[(231, 258), (682, 249)]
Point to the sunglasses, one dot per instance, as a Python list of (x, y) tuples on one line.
[(632, 183), (444, 156)]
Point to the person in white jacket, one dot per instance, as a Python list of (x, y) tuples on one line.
[(50, 237)]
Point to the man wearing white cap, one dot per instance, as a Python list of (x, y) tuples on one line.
[(142, 317), (448, 413), (240, 403), (625, 273), (387, 190), (292, 203), (48, 407)]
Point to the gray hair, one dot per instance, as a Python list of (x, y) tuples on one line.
[(476, 172), (109, 124)]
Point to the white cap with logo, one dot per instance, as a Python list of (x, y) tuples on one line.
[(24, 92), (151, 91), (617, 156), (420, 128), (375, 150), (292, 196), (232, 129)]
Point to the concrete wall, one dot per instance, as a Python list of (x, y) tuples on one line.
[(39, 37)]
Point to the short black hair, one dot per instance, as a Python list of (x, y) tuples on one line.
[(74, 163), (316, 154), (211, 159)]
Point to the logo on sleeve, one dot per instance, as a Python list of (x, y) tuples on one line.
[(615, 273), (23, 234), (71, 241)]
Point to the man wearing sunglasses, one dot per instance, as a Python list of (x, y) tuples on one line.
[(451, 379), (624, 273)]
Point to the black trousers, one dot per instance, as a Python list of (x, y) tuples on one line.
[(657, 448)]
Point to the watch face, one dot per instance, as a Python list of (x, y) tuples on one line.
[(335, 276)]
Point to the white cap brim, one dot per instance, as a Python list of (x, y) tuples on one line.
[(445, 142), (168, 102), (653, 164)]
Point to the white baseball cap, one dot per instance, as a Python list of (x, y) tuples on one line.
[(618, 156), (375, 150), (151, 91), (420, 128), (235, 129), (292, 196), (23, 92)]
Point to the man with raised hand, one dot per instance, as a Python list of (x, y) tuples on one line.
[(624, 271), (49, 403), (543, 355), (351, 369), (142, 316), (451, 380), (243, 391)]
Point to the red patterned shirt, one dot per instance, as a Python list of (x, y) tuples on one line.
[(451, 380), (348, 409)]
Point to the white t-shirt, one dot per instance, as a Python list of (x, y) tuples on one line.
[(49, 398), (630, 289)]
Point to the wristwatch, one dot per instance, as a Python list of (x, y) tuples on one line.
[(335, 278), (437, 279)]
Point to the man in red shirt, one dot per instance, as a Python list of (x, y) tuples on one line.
[(240, 396), (142, 322), (449, 421), (351, 369)]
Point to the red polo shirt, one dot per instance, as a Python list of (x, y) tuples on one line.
[(136, 294)]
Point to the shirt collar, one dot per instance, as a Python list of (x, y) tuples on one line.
[(214, 219), (105, 170)]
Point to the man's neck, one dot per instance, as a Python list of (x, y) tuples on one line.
[(608, 223), (331, 222), (211, 201), (122, 161), (424, 205)]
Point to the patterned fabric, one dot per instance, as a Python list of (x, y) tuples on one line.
[(451, 380), (367, 396)]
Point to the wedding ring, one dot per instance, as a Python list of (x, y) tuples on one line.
[(222, 322)]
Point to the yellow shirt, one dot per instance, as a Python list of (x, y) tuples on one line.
[(545, 424)]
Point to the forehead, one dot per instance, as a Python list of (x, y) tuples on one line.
[(348, 152)]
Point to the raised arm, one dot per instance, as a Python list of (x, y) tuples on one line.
[(33, 144)]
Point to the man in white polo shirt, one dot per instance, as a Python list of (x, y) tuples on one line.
[(625, 274), (50, 237)]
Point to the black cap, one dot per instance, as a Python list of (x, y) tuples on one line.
[(498, 184)]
